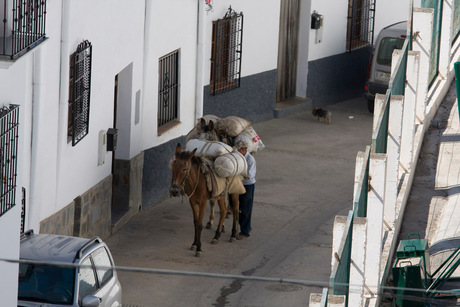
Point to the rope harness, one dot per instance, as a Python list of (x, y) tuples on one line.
[(182, 185)]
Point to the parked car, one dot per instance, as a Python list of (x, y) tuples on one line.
[(379, 69), (66, 271)]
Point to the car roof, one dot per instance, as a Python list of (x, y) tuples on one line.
[(396, 29), (49, 247)]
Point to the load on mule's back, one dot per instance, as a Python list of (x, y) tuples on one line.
[(195, 175)]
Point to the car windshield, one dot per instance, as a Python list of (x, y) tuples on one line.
[(387, 45), (46, 283)]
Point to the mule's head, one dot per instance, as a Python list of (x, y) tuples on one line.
[(208, 132), (180, 169)]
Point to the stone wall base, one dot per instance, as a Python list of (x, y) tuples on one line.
[(87, 216)]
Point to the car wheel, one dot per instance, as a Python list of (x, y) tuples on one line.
[(370, 105)]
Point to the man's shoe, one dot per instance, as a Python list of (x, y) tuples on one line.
[(241, 236)]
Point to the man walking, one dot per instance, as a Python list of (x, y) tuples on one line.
[(246, 199)]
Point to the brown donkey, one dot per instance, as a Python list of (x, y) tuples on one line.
[(188, 180)]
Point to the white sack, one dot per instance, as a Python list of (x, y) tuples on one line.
[(231, 165), (251, 138), (207, 148)]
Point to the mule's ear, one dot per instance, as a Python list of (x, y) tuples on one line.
[(202, 124), (211, 125), (193, 152), (178, 149)]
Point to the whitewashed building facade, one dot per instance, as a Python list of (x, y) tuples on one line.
[(106, 89)]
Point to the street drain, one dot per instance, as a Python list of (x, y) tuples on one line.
[(283, 288)]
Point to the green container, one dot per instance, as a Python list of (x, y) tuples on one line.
[(412, 248), (408, 273), (411, 271)]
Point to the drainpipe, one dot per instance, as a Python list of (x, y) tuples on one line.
[(33, 209), (201, 16), (61, 133)]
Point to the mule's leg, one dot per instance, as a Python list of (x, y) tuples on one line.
[(236, 214), (212, 203), (229, 205), (197, 222), (200, 211), (220, 226)]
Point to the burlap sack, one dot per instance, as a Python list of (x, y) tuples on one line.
[(232, 125), (231, 165), (207, 148), (233, 184)]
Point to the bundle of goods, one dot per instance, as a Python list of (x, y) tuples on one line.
[(223, 165), (232, 130), (236, 129), (227, 163), (250, 136), (231, 165), (232, 125), (207, 148)]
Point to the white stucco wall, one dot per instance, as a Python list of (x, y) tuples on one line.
[(260, 34), (9, 240), (170, 26), (54, 172), (389, 12), (117, 41), (335, 24)]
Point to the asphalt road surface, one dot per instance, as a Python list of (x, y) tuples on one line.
[(304, 179)]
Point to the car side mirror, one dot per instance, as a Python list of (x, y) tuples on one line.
[(91, 301)]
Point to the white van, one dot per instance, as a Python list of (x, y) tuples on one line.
[(379, 70)]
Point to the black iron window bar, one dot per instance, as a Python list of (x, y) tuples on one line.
[(360, 25), (23, 210), (23, 26), (227, 40), (80, 92), (9, 128), (168, 88)]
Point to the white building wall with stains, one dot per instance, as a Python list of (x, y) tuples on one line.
[(334, 32)]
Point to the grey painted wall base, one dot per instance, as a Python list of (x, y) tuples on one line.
[(156, 177), (254, 100), (337, 78)]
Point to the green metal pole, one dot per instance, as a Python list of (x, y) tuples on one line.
[(457, 84)]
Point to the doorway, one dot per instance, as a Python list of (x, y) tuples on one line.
[(286, 82), (121, 166)]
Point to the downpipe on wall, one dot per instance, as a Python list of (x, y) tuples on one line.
[(33, 212), (201, 16)]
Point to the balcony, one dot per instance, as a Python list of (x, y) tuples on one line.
[(22, 27)]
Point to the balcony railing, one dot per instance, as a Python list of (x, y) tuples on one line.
[(22, 26)]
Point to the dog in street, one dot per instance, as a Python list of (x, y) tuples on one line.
[(322, 114)]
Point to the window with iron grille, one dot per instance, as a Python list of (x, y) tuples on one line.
[(9, 123), (227, 38), (79, 92), (23, 26), (168, 88), (360, 25)]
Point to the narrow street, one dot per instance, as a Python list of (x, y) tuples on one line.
[(304, 179)]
